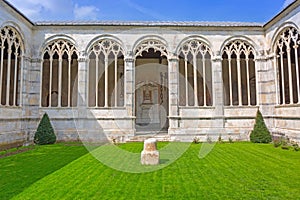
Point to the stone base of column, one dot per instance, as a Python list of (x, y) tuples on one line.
[(150, 155), (150, 158)]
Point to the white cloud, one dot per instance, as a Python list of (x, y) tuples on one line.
[(85, 12), (43, 9), (287, 3), (30, 8), (145, 10)]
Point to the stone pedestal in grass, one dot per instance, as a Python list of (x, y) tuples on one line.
[(150, 155)]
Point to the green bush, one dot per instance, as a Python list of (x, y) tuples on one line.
[(260, 133), (196, 140), (220, 140), (296, 147), (209, 140), (285, 147), (45, 133), (277, 142)]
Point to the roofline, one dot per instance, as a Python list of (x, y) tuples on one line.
[(282, 13), (152, 24), (19, 12), (272, 21)]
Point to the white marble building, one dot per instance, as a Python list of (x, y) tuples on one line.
[(185, 79)]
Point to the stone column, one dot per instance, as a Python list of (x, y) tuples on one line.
[(82, 81), (218, 93), (31, 97), (266, 87), (82, 98), (129, 64), (24, 85), (173, 84), (26, 62)]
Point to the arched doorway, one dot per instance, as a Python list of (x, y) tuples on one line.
[(151, 92)]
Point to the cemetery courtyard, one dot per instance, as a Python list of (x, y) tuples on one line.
[(238, 170)]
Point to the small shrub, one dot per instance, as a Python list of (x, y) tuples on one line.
[(115, 140), (295, 147), (220, 140), (196, 140), (230, 140), (209, 140), (285, 147), (285, 144), (45, 133), (260, 132), (277, 143)]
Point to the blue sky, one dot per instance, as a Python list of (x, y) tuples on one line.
[(151, 10)]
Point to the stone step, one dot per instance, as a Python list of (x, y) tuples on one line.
[(140, 137)]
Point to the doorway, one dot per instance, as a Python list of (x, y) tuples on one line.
[(151, 92)]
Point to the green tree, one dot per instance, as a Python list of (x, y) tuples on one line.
[(45, 133), (260, 132)]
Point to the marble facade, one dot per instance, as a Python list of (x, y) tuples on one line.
[(150, 83)]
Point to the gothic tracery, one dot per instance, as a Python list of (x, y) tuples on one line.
[(59, 75), (287, 59), (151, 44), (11, 49), (196, 74), (239, 74), (106, 74)]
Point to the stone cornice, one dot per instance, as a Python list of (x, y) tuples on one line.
[(173, 57), (129, 57), (34, 60), (217, 58)]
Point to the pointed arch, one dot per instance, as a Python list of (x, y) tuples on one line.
[(195, 69), (18, 30), (106, 72), (11, 59), (105, 37), (196, 38), (59, 71), (242, 39), (279, 30), (239, 72), (151, 42), (287, 58), (55, 38)]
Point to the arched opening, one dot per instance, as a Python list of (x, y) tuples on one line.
[(195, 75), (239, 74), (151, 91), (106, 74), (59, 75), (10, 66), (287, 60)]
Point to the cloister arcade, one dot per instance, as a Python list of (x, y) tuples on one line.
[(178, 79)]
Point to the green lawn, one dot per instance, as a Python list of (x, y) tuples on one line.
[(230, 171)]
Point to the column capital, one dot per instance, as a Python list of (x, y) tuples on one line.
[(271, 56), (129, 56), (26, 58), (82, 57), (129, 59), (261, 59), (33, 60), (173, 57), (217, 58)]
